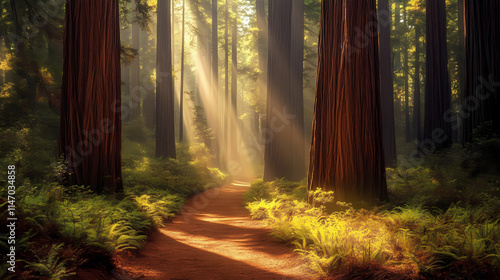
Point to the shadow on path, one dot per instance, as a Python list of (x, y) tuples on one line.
[(214, 238)]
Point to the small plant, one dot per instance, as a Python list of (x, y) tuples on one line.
[(52, 266)]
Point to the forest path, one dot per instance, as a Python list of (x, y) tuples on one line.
[(213, 237)]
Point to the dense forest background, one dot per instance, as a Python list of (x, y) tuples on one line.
[(201, 85)]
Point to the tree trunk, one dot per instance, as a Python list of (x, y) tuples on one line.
[(346, 147), (482, 68), (135, 83), (262, 50), (165, 131), (181, 107), (406, 78), (227, 97), (213, 110), (461, 68), (233, 150), (149, 104), (386, 84), (437, 130), (297, 91), (417, 124), (125, 74), (277, 155), (90, 128)]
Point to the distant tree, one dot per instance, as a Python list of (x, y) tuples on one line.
[(234, 84), (417, 123), (135, 104), (181, 106), (437, 129), (346, 147), (90, 128), (165, 130), (406, 75), (482, 68), (227, 97), (386, 84), (262, 51), (213, 110)]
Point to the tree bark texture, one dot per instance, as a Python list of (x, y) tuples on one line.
[(437, 129), (346, 147), (482, 65), (165, 130), (386, 84), (90, 126)]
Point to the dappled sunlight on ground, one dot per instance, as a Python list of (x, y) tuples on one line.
[(216, 240)]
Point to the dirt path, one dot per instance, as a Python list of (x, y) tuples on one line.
[(214, 238)]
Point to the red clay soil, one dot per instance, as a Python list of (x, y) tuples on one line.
[(214, 238)]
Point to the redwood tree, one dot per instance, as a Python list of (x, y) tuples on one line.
[(482, 68), (346, 147), (232, 149), (437, 130), (386, 84), (165, 130), (277, 162), (297, 91), (90, 128)]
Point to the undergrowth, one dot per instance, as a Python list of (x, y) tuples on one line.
[(64, 228), (389, 242)]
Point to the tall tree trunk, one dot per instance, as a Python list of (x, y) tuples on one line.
[(437, 130), (406, 78), (227, 97), (149, 104), (165, 130), (386, 84), (262, 50), (125, 74), (417, 124), (297, 91), (461, 68), (346, 147), (233, 150), (277, 162), (90, 128), (135, 83), (181, 107), (213, 109), (482, 68)]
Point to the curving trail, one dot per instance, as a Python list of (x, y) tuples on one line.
[(214, 238)]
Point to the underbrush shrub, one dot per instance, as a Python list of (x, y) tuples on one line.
[(403, 242)]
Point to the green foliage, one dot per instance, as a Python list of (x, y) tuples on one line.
[(409, 240), (52, 266)]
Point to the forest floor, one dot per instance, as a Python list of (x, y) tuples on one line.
[(213, 237)]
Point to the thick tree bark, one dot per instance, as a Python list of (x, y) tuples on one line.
[(346, 147), (181, 107), (165, 130), (482, 68), (437, 130), (386, 84), (90, 128), (227, 97)]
